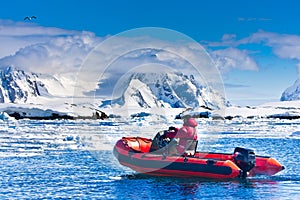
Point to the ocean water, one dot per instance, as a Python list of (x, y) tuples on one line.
[(49, 160)]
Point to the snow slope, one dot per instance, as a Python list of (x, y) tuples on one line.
[(292, 93), (40, 95), (278, 109), (175, 90), (17, 87), (138, 94)]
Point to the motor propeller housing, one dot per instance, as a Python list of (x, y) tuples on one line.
[(245, 159)]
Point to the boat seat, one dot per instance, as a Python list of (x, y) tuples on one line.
[(191, 147)]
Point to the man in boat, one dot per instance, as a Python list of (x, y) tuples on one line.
[(176, 141), (187, 137)]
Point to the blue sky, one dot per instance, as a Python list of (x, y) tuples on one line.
[(263, 33)]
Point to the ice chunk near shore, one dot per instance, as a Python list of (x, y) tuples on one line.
[(295, 134), (5, 117)]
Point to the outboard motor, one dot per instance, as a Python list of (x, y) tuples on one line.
[(245, 159)]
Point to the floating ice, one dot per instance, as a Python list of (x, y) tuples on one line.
[(5, 117)]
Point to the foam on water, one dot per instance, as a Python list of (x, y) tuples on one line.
[(26, 137)]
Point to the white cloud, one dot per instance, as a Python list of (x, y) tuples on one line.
[(43, 49), (253, 19), (56, 51), (57, 55), (233, 58), (274, 39), (11, 29), (286, 46), (228, 37), (16, 35), (118, 56), (229, 55)]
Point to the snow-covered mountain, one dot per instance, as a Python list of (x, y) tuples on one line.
[(174, 90), (16, 86), (141, 90), (40, 95), (292, 93)]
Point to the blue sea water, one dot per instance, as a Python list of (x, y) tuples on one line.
[(53, 172)]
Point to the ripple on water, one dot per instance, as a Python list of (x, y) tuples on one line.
[(40, 164)]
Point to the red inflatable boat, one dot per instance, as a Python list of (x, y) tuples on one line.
[(134, 152)]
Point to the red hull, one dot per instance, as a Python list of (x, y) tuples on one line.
[(134, 153)]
